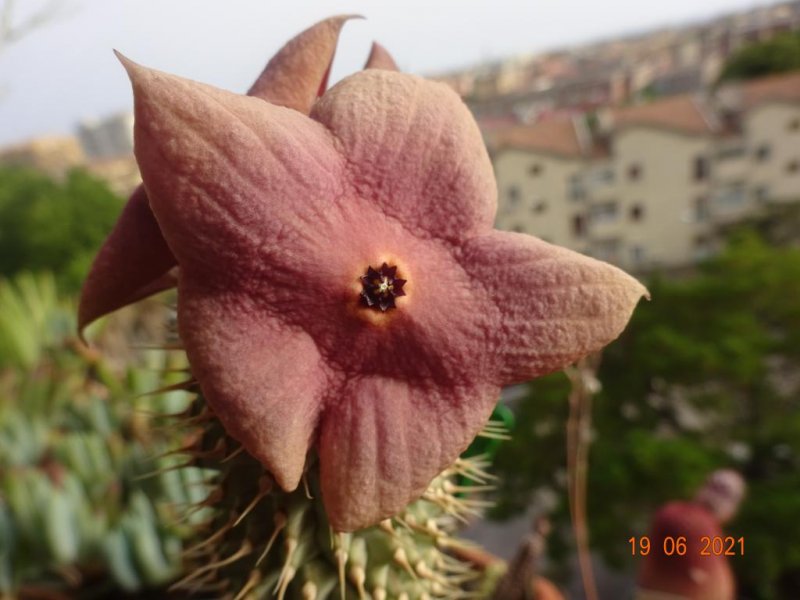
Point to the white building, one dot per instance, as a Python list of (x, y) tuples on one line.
[(649, 187), (111, 137)]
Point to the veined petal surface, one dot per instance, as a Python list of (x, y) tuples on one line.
[(264, 380), (380, 449), (550, 306), (414, 150)]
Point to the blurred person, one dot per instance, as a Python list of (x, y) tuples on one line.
[(522, 580), (684, 561)]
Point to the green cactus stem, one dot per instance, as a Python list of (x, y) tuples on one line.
[(263, 542)]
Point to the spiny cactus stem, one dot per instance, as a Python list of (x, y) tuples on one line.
[(451, 506), (243, 551), (233, 455), (287, 574), (432, 527), (456, 580), (181, 386), (341, 560), (193, 449), (358, 576), (425, 529), (490, 435), (452, 488), (252, 581), (401, 558), (387, 526), (197, 548), (426, 573), (496, 425), (162, 470), (306, 488), (196, 584), (217, 452), (471, 468), (451, 544), (454, 567), (290, 545), (264, 488), (164, 346), (190, 448), (214, 497), (280, 521), (309, 591), (203, 417)]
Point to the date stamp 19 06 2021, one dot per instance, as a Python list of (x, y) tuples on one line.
[(680, 546)]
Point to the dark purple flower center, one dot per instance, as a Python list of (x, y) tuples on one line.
[(381, 287)]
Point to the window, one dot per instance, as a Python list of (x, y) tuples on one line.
[(700, 168), (701, 209), (535, 169), (793, 166), (600, 177), (513, 195), (637, 254), (539, 207), (606, 249), (604, 213), (575, 188), (762, 193), (578, 225), (518, 228), (794, 124), (731, 197), (635, 172), (637, 212), (731, 152), (763, 152)]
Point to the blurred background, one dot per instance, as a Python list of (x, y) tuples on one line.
[(662, 137)]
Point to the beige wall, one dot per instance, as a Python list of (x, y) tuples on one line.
[(679, 213), (670, 229), (542, 206), (776, 126)]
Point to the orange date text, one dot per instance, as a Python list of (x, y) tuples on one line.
[(680, 546)]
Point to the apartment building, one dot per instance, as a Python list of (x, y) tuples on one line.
[(54, 155), (107, 138), (647, 186), (675, 60), (535, 167)]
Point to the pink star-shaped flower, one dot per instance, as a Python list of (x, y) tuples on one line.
[(340, 284)]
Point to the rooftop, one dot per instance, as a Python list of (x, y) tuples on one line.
[(780, 88), (684, 113), (558, 136)]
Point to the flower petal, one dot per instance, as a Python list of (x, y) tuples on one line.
[(550, 306), (414, 150), (134, 260), (265, 381), (133, 263), (298, 73), (379, 58), (229, 177), (382, 446)]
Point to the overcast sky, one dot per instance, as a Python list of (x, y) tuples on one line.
[(66, 71)]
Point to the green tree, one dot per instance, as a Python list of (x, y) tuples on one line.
[(705, 376), (779, 54), (53, 226)]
